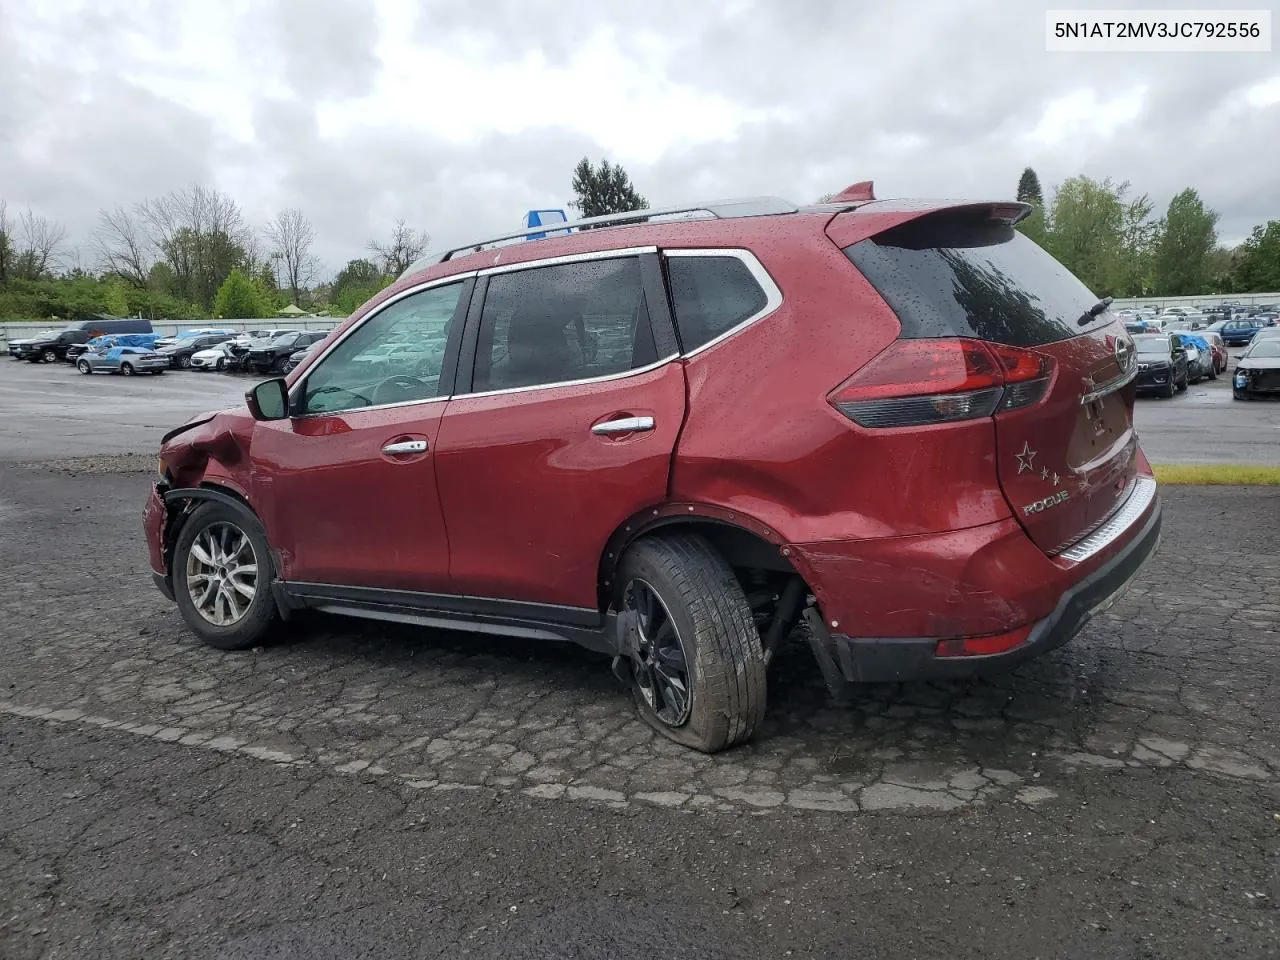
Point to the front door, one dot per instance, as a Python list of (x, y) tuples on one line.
[(346, 486), (567, 430)]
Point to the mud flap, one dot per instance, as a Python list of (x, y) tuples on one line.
[(823, 652)]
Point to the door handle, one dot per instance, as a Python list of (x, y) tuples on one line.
[(406, 446), (623, 425)]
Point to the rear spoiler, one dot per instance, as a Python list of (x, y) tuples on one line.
[(869, 219)]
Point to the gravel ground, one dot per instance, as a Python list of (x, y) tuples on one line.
[(359, 789)]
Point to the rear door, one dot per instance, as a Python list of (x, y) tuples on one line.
[(562, 427), (1065, 460)]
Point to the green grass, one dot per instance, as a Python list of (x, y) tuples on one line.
[(1216, 474)]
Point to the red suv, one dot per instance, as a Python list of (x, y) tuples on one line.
[(671, 436)]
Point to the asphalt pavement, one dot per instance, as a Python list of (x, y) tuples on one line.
[(357, 789)]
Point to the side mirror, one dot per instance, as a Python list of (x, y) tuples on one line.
[(269, 400)]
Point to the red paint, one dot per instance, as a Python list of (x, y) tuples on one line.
[(338, 510), (862, 190), (904, 532), (531, 495)]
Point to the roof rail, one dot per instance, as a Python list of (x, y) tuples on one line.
[(717, 209)]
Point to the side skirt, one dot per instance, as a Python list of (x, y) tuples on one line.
[(512, 618)]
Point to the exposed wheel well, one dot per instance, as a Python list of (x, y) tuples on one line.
[(773, 586)]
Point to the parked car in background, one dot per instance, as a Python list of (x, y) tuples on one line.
[(243, 343), (181, 351), (1136, 327), (298, 356), (217, 357), (76, 350), (182, 335), (1258, 372), (123, 360), (274, 354), (17, 346), (54, 346), (1238, 332), (1200, 362), (1217, 347), (1162, 364)]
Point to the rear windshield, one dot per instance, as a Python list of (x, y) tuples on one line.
[(1152, 345), (960, 275)]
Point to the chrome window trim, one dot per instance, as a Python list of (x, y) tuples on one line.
[(647, 368), (618, 253), (403, 294), (772, 293), (1135, 505)]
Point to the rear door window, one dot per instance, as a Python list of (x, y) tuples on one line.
[(711, 295), (557, 324), (960, 275)]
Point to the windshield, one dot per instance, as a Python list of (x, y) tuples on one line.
[(1269, 348), (1154, 345), (285, 340)]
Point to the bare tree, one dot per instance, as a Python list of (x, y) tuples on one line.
[(40, 247), (201, 234), (7, 246), (124, 246), (406, 246), (291, 236)]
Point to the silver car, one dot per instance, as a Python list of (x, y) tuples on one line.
[(125, 361)]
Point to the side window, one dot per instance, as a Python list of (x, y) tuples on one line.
[(573, 321), (711, 295), (394, 357)]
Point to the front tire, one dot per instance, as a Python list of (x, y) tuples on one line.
[(222, 577), (220, 366), (279, 365), (184, 363), (697, 665), (126, 369), (83, 367), (49, 356), (1170, 389)]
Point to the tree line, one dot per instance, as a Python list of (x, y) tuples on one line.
[(189, 254), (1111, 239)]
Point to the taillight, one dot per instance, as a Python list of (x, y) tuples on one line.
[(919, 382)]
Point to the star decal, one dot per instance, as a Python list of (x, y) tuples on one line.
[(1055, 479), (1044, 473), (1025, 457)]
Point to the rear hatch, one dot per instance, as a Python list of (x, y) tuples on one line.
[(1066, 451)]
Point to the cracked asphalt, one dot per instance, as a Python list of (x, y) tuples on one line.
[(358, 789)]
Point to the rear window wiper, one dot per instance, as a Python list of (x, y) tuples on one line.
[(1093, 311)]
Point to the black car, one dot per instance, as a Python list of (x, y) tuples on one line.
[(274, 355), (1162, 364), (1258, 372), (179, 352), (53, 345), (298, 356)]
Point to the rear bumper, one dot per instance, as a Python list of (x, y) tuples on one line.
[(1004, 584)]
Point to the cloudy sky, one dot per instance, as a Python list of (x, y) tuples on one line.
[(461, 116)]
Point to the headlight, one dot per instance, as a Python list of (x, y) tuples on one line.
[(163, 469)]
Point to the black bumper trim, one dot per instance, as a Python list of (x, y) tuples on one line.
[(163, 585), (895, 659)]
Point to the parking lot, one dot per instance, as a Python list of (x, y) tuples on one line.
[(366, 789)]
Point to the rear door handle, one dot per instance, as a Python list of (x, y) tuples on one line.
[(623, 425), (406, 446)]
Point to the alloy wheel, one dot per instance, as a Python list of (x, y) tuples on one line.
[(222, 573), (661, 665)]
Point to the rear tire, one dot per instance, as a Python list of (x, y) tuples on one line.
[(696, 620), (213, 533), (126, 370)]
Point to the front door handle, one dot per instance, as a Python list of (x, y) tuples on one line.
[(406, 446), (623, 425)]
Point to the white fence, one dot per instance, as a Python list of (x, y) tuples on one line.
[(1204, 300), (16, 331)]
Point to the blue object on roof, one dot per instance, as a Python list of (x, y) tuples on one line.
[(97, 344), (543, 218), (1200, 343)]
